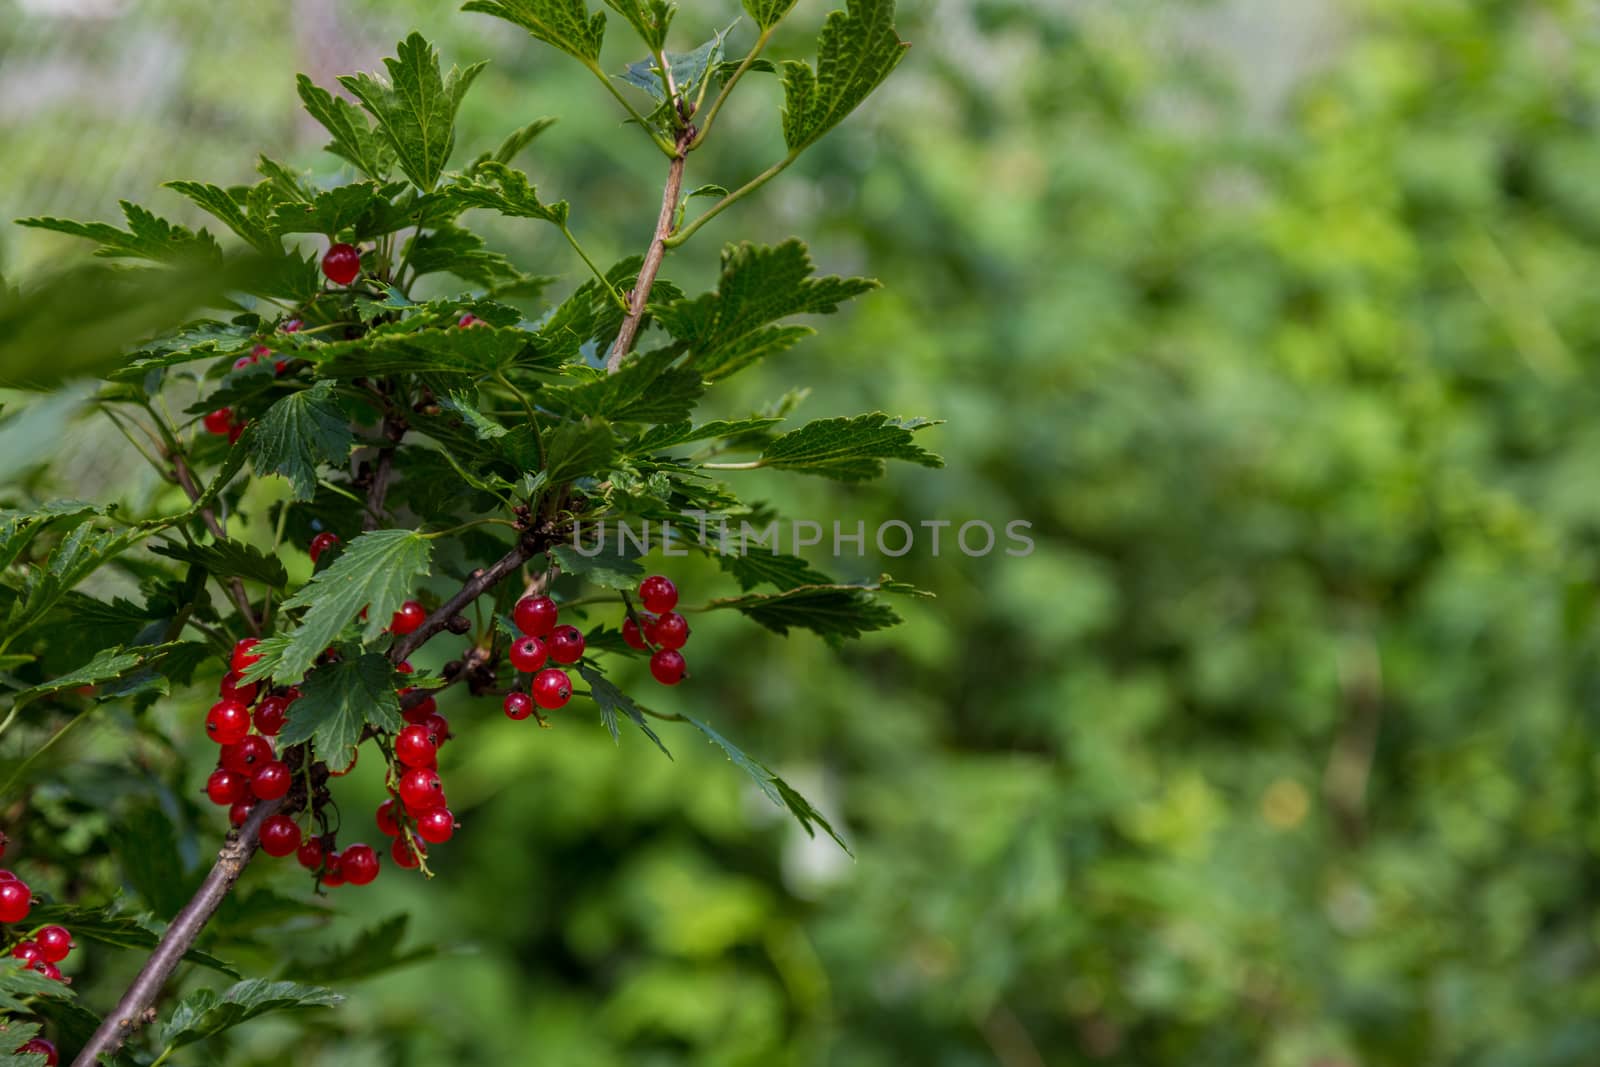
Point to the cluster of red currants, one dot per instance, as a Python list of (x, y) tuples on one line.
[(659, 630), (41, 950), (248, 767), (542, 640)]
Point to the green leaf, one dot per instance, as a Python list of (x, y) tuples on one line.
[(147, 237), (222, 204), (118, 930), (107, 665), (354, 139), (416, 109), (19, 528), (345, 209), (768, 13), (18, 1033), (670, 435), (17, 981), (299, 432), (513, 145), (477, 352), (483, 427), (288, 184), (497, 187), (612, 567), (849, 449), (649, 19), (229, 559), (375, 950), (204, 1013), (775, 789), (565, 24), (728, 330), (857, 51), (338, 701), (688, 69), (612, 700), (834, 612), (450, 249), (577, 449), (783, 572), (648, 389), (203, 339)]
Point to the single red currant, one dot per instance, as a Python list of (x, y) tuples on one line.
[(659, 594), (272, 780), (15, 901), (439, 727), (389, 818), (49, 970), (226, 788), (359, 864), (27, 950), (246, 361), (420, 789), (408, 618), (405, 854), (528, 654), (469, 320), (415, 747), (310, 853), (42, 1047), (535, 615), (405, 667), (419, 711), (55, 942), (341, 264), (219, 421), (552, 688), (518, 705), (632, 634), (239, 811), (436, 825), (244, 654), (321, 543), (270, 715), (228, 722), (333, 869), (247, 754), (671, 630), (235, 688), (291, 326), (667, 666), (279, 836), (235, 433), (565, 644), (7, 876)]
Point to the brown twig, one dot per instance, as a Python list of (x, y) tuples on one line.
[(185, 480), (640, 296), (393, 431)]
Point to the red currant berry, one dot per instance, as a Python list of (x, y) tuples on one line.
[(552, 688), (226, 788), (405, 667), (469, 320), (420, 789), (415, 747), (279, 836), (15, 900), (233, 688), (565, 644), (389, 818), (436, 825), (408, 618), (246, 361), (55, 942), (7, 876), (247, 754), (405, 854), (236, 433), (27, 950), (341, 264), (632, 635), (359, 864), (244, 654), (310, 853), (419, 711), (333, 869), (228, 722), (439, 727), (667, 666), (535, 615), (219, 421), (528, 654), (49, 970), (671, 630), (291, 326), (42, 1047), (518, 705), (270, 715), (321, 543), (239, 811), (659, 594), (272, 780)]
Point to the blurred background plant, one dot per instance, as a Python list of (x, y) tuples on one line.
[(1278, 323)]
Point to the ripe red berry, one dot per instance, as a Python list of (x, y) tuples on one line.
[(518, 705), (49, 970), (7, 876), (236, 433), (291, 326), (219, 421), (408, 618), (40, 1045), (535, 615), (234, 688), (528, 654), (321, 543), (405, 667), (244, 654), (439, 727), (27, 950), (469, 320), (247, 754), (436, 825), (631, 634), (659, 594), (404, 853), (310, 853), (670, 631), (389, 818), (246, 361), (565, 644), (239, 811), (272, 780), (359, 864), (226, 788), (341, 264), (270, 715), (415, 747), (15, 900), (419, 711), (667, 666), (279, 836), (228, 722), (333, 869), (552, 688), (55, 942), (420, 789)]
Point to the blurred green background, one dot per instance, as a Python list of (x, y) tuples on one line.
[(1278, 321)]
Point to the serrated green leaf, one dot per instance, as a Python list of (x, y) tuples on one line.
[(834, 612), (782, 572), (611, 566), (513, 145), (476, 352), (730, 329), (204, 1013), (222, 204), (565, 24), (670, 435), (613, 700), (577, 449), (18, 981), (416, 109), (339, 701), (18, 1033), (229, 559), (497, 187), (354, 139), (19, 528), (298, 433), (650, 19), (857, 51), (148, 236), (288, 184), (452, 250), (483, 427), (848, 449), (119, 930), (338, 210), (107, 665), (647, 389), (203, 339), (373, 951), (775, 789), (768, 13), (688, 69)]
